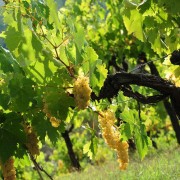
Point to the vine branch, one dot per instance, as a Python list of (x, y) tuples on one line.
[(39, 168), (121, 80)]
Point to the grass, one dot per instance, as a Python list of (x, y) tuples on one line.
[(163, 164)]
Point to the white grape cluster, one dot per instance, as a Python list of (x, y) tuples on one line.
[(82, 92), (112, 137), (8, 170), (32, 140)]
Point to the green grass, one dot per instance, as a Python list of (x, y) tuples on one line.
[(163, 164)]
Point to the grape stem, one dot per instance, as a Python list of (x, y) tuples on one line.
[(39, 168)]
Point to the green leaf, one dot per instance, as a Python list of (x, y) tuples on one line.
[(90, 61), (86, 150), (95, 68), (62, 54), (94, 145), (155, 40), (8, 63), (22, 162), (172, 7), (4, 101), (6, 66), (71, 54), (126, 132), (142, 140), (13, 125), (42, 9), (8, 145), (59, 103), (22, 93), (26, 52), (13, 38), (43, 69), (133, 23), (53, 15), (99, 77), (79, 37), (43, 127), (90, 148), (11, 134), (127, 116), (37, 45)]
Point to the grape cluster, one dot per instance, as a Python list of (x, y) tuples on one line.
[(32, 140), (8, 170), (175, 57), (82, 92), (112, 137)]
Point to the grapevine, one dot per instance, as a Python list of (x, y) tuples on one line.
[(42, 57)]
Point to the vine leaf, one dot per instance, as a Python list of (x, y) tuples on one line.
[(126, 132), (86, 149), (7, 146), (11, 134), (96, 69), (5, 99), (79, 37), (136, 127), (59, 103), (8, 63), (43, 127), (142, 140), (90, 148), (133, 23), (53, 15), (22, 93), (13, 38)]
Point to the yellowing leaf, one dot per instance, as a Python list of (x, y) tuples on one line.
[(55, 122), (87, 150)]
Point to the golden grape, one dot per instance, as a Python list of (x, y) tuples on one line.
[(82, 92), (112, 137), (8, 170), (32, 140)]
